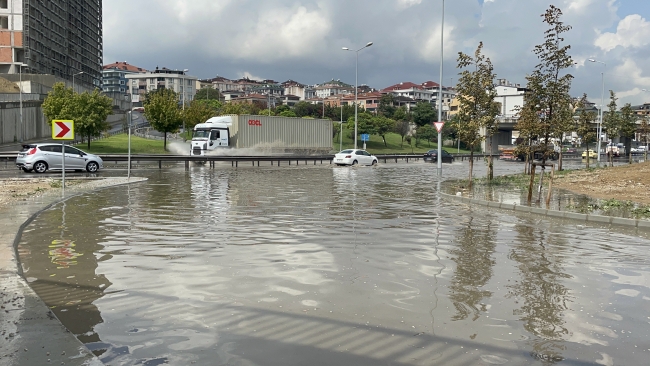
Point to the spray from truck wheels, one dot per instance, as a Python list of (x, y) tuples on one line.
[(262, 135)]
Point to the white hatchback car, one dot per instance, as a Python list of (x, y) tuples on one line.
[(354, 157)]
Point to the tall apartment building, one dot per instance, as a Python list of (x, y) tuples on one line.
[(56, 37)]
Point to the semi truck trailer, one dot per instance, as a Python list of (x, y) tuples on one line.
[(269, 134)]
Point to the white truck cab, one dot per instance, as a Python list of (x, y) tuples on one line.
[(210, 135)]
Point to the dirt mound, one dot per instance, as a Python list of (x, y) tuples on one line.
[(624, 183), (7, 86)]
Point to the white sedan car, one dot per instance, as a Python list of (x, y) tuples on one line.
[(354, 157)]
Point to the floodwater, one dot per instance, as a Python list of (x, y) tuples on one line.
[(322, 265)]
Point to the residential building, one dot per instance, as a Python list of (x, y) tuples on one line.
[(176, 80), (64, 38), (368, 101), (510, 96), (332, 87), (256, 98), (410, 90), (642, 110), (267, 88), (289, 100), (114, 76), (229, 95), (303, 91)]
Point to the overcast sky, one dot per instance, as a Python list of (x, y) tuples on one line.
[(302, 39)]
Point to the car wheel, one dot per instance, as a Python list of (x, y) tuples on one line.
[(40, 167), (374, 162), (92, 167), (355, 162)]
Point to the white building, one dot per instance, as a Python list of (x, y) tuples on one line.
[(176, 80), (510, 96)]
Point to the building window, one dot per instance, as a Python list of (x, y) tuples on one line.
[(4, 22), (3, 4)]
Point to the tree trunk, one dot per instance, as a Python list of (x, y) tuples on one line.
[(471, 166), (559, 160), (165, 141), (89, 141), (490, 173), (539, 189), (588, 156)]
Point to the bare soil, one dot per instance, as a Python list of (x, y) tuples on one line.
[(7, 86), (14, 190), (623, 183)]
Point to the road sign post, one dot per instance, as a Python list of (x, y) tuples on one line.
[(62, 130)]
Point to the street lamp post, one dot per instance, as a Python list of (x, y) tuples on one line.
[(341, 129), (22, 128), (645, 152), (602, 105), (356, 88), (183, 96), (79, 73), (442, 46)]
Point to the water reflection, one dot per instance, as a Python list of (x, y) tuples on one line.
[(540, 288), (344, 265), (473, 255)]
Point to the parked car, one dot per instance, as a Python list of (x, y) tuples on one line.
[(432, 156), (43, 157), (592, 154), (638, 150), (354, 157)]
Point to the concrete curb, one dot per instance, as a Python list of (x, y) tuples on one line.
[(596, 219), (31, 333)]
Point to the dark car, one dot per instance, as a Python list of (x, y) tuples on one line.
[(432, 156)]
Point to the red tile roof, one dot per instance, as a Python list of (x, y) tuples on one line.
[(402, 86), (430, 84), (124, 66)]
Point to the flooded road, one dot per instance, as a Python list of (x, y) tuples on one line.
[(324, 265)]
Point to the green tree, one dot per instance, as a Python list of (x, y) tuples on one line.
[(585, 128), (162, 110), (529, 125), (364, 124), (426, 133), (423, 113), (288, 113), (550, 83), (207, 94), (281, 108), (383, 125), (402, 124), (57, 104), (387, 106), (477, 110), (304, 109), (628, 128), (198, 112), (612, 123), (89, 112), (336, 128)]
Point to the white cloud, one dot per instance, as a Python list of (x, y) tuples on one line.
[(408, 3), (632, 31), (280, 33), (246, 74)]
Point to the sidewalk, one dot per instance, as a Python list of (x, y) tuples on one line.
[(31, 334)]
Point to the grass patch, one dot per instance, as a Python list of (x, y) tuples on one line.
[(119, 144), (393, 144)]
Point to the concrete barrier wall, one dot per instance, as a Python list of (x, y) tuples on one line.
[(34, 125)]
